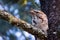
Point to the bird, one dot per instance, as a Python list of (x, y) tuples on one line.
[(39, 20)]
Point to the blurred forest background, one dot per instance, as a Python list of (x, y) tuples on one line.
[(18, 8)]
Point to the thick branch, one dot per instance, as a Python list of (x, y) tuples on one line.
[(22, 24)]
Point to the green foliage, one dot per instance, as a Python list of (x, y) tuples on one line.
[(12, 37), (22, 2), (10, 1), (4, 26), (24, 7), (24, 15)]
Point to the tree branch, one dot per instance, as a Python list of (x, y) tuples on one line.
[(22, 24)]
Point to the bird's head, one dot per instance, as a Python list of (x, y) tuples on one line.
[(34, 12)]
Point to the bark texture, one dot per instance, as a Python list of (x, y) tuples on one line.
[(52, 9)]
